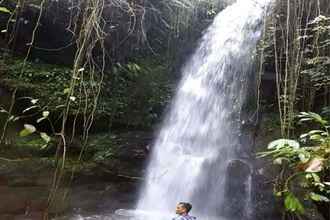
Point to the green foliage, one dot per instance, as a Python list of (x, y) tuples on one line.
[(292, 204), (101, 147), (46, 82), (317, 64), (318, 198), (139, 91), (298, 56), (4, 10), (45, 137), (281, 143), (315, 69), (308, 160), (132, 94), (32, 144), (28, 129)]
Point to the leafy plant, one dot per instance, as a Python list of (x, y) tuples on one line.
[(30, 129), (308, 161), (5, 10)]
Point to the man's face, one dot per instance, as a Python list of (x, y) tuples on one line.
[(180, 209)]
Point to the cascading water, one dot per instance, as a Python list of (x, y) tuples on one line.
[(199, 136)]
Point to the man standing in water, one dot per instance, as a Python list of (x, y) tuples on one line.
[(182, 210)]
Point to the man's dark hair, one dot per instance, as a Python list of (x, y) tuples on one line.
[(186, 205)]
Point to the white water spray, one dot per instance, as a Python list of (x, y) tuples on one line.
[(199, 136)]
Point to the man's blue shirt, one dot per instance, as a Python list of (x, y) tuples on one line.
[(184, 217)]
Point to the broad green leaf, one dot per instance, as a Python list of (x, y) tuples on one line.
[(41, 119), (45, 137), (304, 136), (43, 146), (129, 66), (280, 143), (318, 197), (59, 106), (45, 114), (16, 118), (292, 204), (315, 132), (326, 134), (66, 90), (3, 110), (304, 157), (308, 176), (305, 119), (24, 133), (319, 19), (280, 160), (320, 186), (28, 129), (34, 101), (4, 10), (137, 67), (316, 177), (311, 116), (316, 137), (279, 194), (29, 108)]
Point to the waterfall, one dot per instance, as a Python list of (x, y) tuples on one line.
[(199, 136)]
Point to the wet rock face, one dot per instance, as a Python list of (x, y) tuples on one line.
[(24, 196), (53, 43), (130, 152), (265, 204), (114, 184), (20, 200), (237, 189), (24, 190)]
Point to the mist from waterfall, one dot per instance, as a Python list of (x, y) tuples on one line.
[(199, 136)]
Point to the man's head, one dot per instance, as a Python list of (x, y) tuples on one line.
[(183, 208)]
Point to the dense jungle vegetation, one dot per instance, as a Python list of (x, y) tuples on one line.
[(78, 77)]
